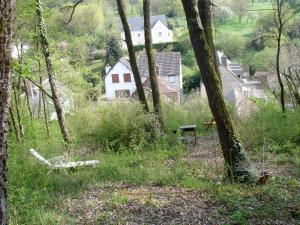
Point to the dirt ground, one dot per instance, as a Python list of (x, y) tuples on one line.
[(137, 205)]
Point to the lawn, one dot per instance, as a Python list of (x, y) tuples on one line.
[(143, 181)]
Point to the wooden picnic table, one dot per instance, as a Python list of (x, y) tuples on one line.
[(189, 128)]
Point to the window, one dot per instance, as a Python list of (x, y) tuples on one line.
[(122, 93), (159, 33), (139, 34), (127, 77), (115, 78), (172, 78)]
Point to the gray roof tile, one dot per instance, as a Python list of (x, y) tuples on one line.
[(137, 23), (167, 62)]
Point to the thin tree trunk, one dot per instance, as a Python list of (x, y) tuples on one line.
[(151, 63), (132, 57), (13, 120), (27, 98), (45, 112), (16, 98), (237, 164), (6, 15), (282, 102), (45, 47)]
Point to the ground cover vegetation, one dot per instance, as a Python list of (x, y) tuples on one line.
[(137, 178)]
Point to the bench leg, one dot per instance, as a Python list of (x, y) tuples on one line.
[(195, 137)]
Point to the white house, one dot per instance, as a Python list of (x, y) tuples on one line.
[(119, 80), (160, 31)]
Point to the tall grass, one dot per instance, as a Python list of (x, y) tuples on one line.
[(194, 110), (268, 125)]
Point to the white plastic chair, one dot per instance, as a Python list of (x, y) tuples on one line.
[(59, 162)]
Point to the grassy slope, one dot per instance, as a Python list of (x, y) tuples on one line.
[(38, 198)]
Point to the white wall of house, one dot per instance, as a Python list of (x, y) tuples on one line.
[(111, 88), (160, 34)]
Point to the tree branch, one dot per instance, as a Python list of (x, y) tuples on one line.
[(40, 87), (73, 10)]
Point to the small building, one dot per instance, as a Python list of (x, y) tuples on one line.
[(120, 83), (159, 27)]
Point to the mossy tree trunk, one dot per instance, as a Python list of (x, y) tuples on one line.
[(45, 47), (6, 15), (132, 57), (151, 63), (204, 8), (237, 164)]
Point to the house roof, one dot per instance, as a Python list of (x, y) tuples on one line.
[(168, 63), (137, 23), (124, 61), (164, 87)]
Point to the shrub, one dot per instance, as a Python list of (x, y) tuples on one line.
[(117, 126), (194, 110), (268, 125)]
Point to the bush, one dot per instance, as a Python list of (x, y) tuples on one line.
[(269, 126), (115, 126), (194, 110)]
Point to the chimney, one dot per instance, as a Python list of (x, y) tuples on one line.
[(107, 68)]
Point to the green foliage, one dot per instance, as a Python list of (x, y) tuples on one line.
[(194, 110), (113, 51), (232, 45), (269, 126)]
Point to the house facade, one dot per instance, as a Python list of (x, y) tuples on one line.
[(119, 80), (237, 89), (160, 31)]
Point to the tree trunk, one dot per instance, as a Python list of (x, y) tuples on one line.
[(17, 100), (282, 102), (45, 47), (13, 120), (204, 8), (237, 164), (151, 63), (132, 57), (27, 98), (6, 15)]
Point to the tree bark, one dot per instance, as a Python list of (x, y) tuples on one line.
[(13, 120), (204, 8), (237, 163), (45, 47), (280, 28), (17, 100), (151, 63), (27, 98), (6, 15), (132, 57)]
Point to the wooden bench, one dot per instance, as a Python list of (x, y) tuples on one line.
[(189, 128)]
